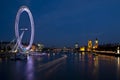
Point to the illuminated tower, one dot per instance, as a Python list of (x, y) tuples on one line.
[(95, 44), (118, 50), (89, 45)]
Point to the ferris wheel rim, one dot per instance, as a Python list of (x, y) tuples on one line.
[(20, 11)]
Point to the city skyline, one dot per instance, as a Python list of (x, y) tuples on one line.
[(63, 23)]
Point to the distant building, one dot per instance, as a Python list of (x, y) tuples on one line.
[(95, 44), (76, 45), (6, 46), (33, 48), (40, 47), (82, 48), (64, 49), (89, 45)]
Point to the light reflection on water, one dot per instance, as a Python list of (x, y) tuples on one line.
[(30, 68), (78, 66), (118, 68)]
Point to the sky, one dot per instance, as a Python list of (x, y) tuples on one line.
[(61, 23)]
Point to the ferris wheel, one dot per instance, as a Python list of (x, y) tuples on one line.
[(20, 36)]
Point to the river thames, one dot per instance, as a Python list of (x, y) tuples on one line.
[(59, 66)]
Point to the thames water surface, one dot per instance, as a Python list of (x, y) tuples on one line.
[(59, 66)]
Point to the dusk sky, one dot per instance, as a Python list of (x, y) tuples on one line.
[(64, 22)]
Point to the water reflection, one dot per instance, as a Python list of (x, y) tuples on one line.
[(18, 70), (96, 68), (42, 67), (118, 68), (0, 59), (30, 68), (82, 56), (53, 70), (77, 66), (118, 61)]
